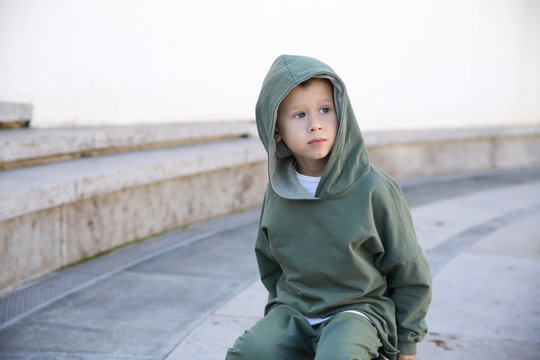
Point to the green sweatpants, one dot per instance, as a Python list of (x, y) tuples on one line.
[(285, 334)]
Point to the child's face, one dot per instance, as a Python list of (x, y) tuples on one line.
[(307, 123)]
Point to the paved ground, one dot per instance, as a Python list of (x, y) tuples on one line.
[(190, 293)]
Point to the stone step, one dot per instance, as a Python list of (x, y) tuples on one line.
[(27, 147), (57, 214), (430, 152), (15, 115), (35, 188)]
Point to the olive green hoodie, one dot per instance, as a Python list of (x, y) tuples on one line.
[(353, 245)]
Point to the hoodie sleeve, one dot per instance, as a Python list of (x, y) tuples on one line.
[(406, 269), (269, 269)]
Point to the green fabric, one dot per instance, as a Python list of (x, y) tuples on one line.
[(344, 336), (353, 245)]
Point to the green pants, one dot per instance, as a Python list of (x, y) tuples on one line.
[(285, 334)]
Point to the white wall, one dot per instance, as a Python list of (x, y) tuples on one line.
[(419, 63)]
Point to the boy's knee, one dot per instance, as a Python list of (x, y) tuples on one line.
[(279, 335), (248, 347), (343, 352), (346, 337)]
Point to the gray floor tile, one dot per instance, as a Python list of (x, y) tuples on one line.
[(128, 314)]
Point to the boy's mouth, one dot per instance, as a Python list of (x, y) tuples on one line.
[(317, 141)]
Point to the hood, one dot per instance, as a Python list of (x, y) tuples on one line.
[(349, 158)]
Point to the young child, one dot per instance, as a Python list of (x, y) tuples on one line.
[(336, 248)]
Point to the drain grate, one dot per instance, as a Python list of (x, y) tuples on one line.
[(45, 290)]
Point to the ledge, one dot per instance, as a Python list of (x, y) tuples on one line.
[(23, 147), (15, 115), (423, 136), (30, 189), (412, 154), (26, 147)]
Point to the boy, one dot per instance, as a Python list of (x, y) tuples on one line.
[(336, 248)]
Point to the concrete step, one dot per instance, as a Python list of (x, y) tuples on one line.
[(30, 189), (26, 147), (491, 147), (15, 115), (431, 152), (56, 214)]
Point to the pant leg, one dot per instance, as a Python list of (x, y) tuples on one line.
[(347, 336), (282, 334)]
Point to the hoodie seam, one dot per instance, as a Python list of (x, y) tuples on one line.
[(275, 112), (289, 70), (346, 189)]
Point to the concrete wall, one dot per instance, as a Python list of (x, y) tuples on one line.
[(414, 154), (407, 64), (41, 242)]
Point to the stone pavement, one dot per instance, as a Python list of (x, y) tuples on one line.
[(189, 293)]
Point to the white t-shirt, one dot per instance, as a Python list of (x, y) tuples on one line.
[(317, 321), (309, 183)]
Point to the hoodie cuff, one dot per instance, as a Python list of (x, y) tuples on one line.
[(407, 348)]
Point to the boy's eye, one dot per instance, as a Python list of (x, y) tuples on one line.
[(299, 115), (324, 110)]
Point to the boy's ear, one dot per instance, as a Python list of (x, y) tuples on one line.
[(277, 136)]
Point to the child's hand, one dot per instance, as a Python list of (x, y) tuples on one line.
[(406, 357)]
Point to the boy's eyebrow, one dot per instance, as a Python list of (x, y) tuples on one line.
[(295, 107), (289, 109)]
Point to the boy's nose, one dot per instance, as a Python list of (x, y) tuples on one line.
[(315, 124)]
